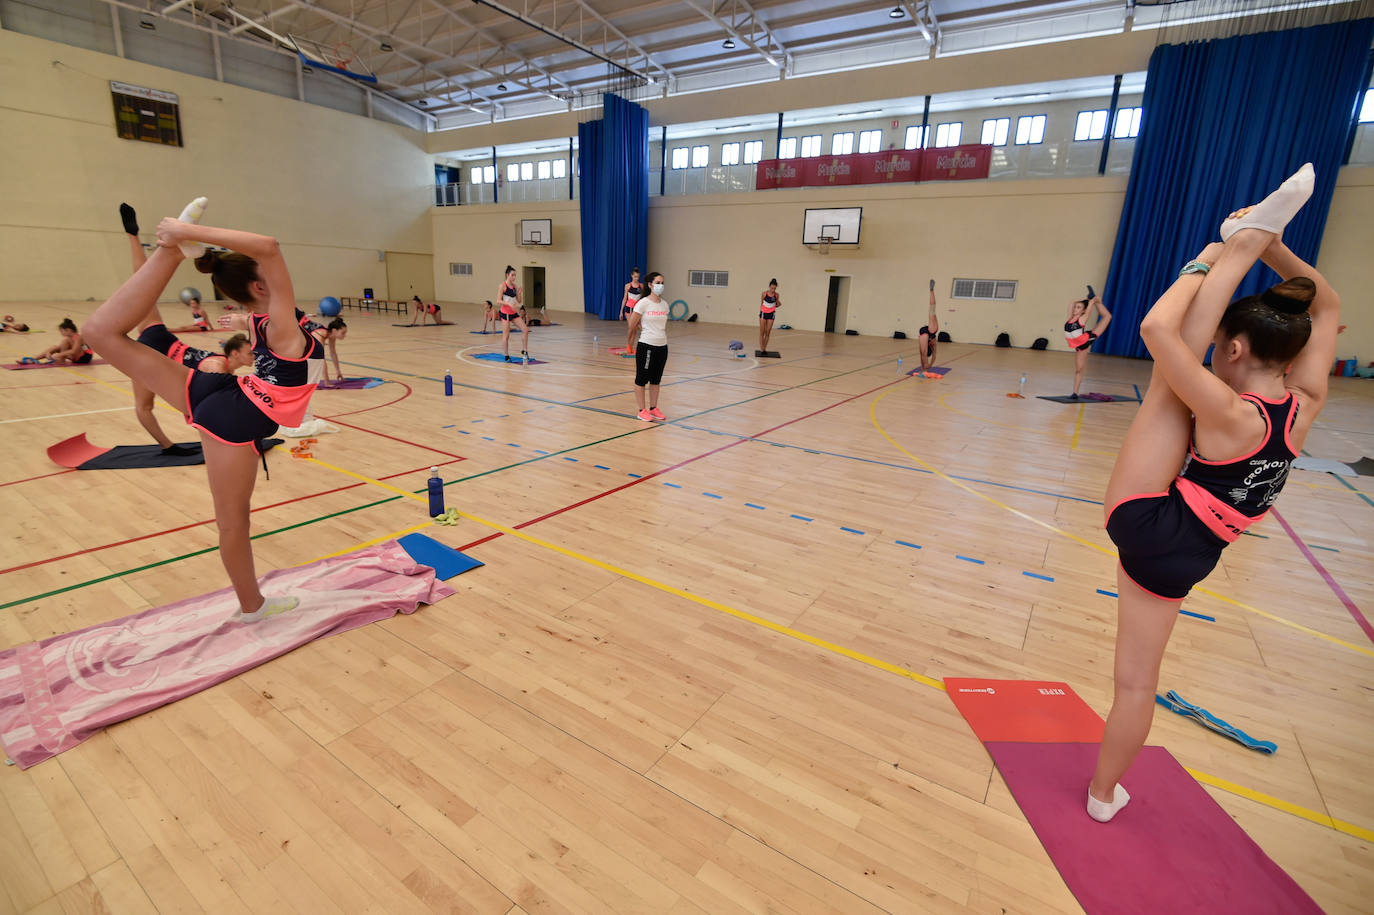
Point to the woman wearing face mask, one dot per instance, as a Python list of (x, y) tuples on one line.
[(649, 321)]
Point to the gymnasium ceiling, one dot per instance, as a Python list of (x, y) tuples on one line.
[(467, 61)]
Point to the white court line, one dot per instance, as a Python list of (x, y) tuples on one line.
[(29, 419)]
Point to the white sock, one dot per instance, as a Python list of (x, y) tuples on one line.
[(1102, 812), (194, 210), (1273, 212), (271, 606)]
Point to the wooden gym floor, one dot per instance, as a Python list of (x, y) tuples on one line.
[(695, 673)]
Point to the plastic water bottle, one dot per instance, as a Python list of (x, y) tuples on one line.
[(899, 363), (448, 392), (436, 493), (594, 338), (1022, 389)]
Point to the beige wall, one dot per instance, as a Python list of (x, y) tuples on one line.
[(485, 236), (333, 188), (1347, 260)]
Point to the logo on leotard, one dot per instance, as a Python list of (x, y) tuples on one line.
[(253, 389)]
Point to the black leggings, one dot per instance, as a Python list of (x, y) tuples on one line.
[(649, 363)]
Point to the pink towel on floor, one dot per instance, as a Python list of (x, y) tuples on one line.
[(57, 692)]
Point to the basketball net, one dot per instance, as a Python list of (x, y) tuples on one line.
[(823, 244)]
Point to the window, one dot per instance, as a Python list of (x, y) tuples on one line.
[(787, 149), (545, 169), (1367, 109), (718, 278), (1030, 129), (489, 174), (753, 151), (842, 144), (1004, 290), (680, 157), (701, 156), (1091, 125), (475, 175), (995, 131), (526, 171), (729, 154), (948, 134), (870, 141), (513, 171), (916, 138), (1127, 123), (811, 146), (560, 168)]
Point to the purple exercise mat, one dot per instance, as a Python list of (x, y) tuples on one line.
[(1171, 849)]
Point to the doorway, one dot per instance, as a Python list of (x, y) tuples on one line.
[(837, 305), (408, 275), (534, 290)]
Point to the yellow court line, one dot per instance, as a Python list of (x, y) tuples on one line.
[(373, 542), (1073, 445), (1239, 790), (1078, 427), (873, 417)]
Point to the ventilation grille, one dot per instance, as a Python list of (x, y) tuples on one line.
[(460, 269), (1000, 290), (716, 278)]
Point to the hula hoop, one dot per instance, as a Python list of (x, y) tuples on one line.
[(685, 310)]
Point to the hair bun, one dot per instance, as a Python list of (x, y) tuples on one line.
[(206, 262), (1291, 297)]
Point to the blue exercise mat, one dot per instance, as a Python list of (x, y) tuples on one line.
[(481, 332), (444, 560), (1177, 704), (499, 357)]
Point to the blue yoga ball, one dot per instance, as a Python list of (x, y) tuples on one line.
[(330, 306)]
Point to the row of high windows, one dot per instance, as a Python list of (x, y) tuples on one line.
[(520, 171)]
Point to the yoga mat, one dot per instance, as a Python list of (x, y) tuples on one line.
[(58, 692), (481, 332), (767, 354), (933, 370), (444, 560), (499, 357), (1086, 398), (1364, 467), (351, 384), (80, 454), (19, 367), (1171, 849), (445, 324)]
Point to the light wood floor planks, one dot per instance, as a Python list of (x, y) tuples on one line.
[(694, 675)]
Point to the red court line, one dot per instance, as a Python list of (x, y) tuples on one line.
[(1321, 570), (380, 405), (706, 454), (59, 384), (187, 527), (403, 441), (41, 476)]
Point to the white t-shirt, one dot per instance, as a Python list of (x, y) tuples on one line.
[(653, 321)]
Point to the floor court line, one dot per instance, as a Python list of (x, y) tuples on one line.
[(873, 418), (34, 419), (1344, 598)]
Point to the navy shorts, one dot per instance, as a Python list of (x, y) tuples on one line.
[(1092, 338), (505, 317), (1164, 547), (767, 315), (220, 408)]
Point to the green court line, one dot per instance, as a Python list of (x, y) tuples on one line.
[(1340, 480)]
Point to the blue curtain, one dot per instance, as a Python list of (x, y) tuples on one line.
[(1224, 123), (614, 161)]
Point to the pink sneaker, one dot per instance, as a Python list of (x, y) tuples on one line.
[(646, 416), (656, 413)]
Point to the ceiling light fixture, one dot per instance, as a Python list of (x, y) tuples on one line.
[(422, 103), (728, 44), (387, 47), (500, 87), (897, 13), (305, 69), (146, 24)]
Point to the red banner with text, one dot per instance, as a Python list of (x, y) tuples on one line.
[(952, 163)]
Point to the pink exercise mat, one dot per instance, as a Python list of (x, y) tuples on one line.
[(57, 692)]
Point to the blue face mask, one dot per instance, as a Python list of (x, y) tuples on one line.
[(658, 289)]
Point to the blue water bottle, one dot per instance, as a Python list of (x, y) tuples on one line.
[(448, 383), (436, 493)]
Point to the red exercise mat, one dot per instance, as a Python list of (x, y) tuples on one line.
[(1024, 710)]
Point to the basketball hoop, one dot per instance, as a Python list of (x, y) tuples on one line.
[(344, 53), (823, 244)]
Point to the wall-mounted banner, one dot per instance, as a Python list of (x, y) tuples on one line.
[(953, 163), (150, 115)]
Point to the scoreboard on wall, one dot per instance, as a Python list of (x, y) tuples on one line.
[(150, 115)]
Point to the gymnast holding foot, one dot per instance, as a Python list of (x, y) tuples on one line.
[(1207, 452), (929, 334), (1081, 331), (232, 412)]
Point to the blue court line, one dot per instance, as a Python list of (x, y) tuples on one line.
[(1210, 619), (711, 495), (752, 505), (450, 426), (1253, 534), (601, 467), (530, 410), (850, 530), (511, 445), (1342, 481), (1329, 549), (1108, 593), (488, 438), (503, 416), (540, 451), (475, 420), (637, 476), (914, 546), (804, 518), (1138, 398), (574, 460), (1036, 575), (461, 431), (674, 485), (970, 559)]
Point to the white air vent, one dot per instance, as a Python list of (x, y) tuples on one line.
[(1001, 290), (717, 278), (460, 269)]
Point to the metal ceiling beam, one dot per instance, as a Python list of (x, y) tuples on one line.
[(281, 10), (498, 43), (756, 25), (625, 38), (572, 42)]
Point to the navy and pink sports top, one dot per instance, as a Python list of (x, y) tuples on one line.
[(309, 326), (509, 300), (278, 385), (1229, 496), (1075, 334)]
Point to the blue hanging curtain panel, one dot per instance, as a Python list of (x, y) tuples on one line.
[(1224, 122), (613, 158)]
